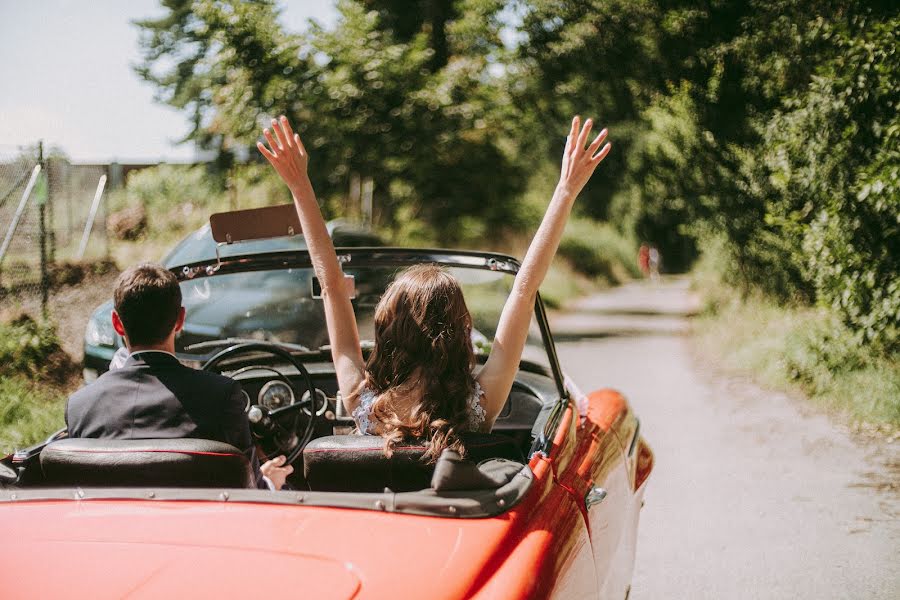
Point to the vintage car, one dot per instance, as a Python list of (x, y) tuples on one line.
[(545, 506)]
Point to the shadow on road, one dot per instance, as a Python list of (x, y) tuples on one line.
[(637, 308)]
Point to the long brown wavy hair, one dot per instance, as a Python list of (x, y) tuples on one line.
[(423, 355)]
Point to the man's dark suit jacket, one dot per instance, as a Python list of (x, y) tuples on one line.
[(155, 396)]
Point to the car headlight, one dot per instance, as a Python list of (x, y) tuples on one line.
[(100, 332)]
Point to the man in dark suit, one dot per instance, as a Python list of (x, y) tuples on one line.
[(153, 395)]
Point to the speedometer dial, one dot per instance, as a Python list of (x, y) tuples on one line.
[(276, 394)]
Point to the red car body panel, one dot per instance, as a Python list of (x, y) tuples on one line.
[(542, 547)]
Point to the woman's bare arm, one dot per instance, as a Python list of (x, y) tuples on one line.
[(290, 159), (578, 164)]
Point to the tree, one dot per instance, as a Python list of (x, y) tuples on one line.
[(223, 62), (368, 101), (834, 161)]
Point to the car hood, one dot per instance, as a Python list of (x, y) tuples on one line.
[(247, 312), (150, 549)]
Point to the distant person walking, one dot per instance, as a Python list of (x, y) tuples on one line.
[(644, 259), (654, 260)]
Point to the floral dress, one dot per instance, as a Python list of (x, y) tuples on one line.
[(365, 421)]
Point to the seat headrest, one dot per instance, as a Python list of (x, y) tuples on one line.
[(341, 463), (356, 463), (145, 463)]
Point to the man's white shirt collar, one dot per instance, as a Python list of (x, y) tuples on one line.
[(121, 355)]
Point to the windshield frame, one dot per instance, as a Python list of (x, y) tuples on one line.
[(361, 257)]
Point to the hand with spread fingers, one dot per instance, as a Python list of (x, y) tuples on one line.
[(285, 152), (276, 471), (579, 163)]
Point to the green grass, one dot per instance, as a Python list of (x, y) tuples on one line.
[(34, 376), (28, 412), (801, 348), (597, 250), (564, 284)]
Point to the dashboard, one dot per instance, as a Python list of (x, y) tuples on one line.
[(278, 388)]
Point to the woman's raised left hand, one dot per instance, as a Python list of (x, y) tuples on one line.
[(285, 152)]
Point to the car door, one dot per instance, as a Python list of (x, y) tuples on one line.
[(598, 478)]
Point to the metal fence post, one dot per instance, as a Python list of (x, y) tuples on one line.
[(42, 211), (51, 218), (106, 226)]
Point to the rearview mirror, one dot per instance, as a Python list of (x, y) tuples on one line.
[(349, 282), (254, 224)]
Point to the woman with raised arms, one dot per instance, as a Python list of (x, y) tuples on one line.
[(418, 383)]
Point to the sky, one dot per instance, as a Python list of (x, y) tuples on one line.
[(66, 78)]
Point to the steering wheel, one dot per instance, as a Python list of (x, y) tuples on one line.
[(269, 348)]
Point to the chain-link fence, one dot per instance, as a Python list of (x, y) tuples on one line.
[(52, 213)]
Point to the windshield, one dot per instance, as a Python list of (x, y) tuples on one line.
[(279, 306)]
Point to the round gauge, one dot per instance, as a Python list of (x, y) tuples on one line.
[(321, 403), (276, 394), (246, 397)]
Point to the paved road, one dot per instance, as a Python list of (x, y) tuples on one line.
[(754, 494)]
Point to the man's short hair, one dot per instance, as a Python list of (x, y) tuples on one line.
[(147, 298)]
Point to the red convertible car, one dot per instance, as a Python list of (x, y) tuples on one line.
[(546, 506)]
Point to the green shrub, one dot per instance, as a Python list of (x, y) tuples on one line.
[(800, 347), (562, 284), (29, 412), (32, 350), (832, 156), (166, 186), (174, 198), (599, 251)]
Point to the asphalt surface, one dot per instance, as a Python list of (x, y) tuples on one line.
[(754, 493)]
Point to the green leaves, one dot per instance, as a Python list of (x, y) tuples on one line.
[(771, 123), (402, 97)]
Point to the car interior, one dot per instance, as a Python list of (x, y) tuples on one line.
[(318, 438), (294, 408)]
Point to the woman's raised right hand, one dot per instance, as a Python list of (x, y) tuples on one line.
[(579, 163), (287, 153)]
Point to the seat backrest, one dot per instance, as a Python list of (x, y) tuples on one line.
[(145, 463), (356, 463)]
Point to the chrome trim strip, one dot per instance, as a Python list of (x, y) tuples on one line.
[(635, 437), (594, 496), (464, 504), (544, 440)]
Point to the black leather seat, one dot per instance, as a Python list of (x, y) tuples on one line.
[(356, 463), (145, 463)]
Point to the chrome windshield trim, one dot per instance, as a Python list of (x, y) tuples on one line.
[(544, 440), (358, 257)]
